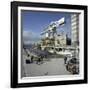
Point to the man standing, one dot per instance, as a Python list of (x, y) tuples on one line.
[(31, 59), (65, 59)]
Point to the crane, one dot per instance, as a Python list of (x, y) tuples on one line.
[(51, 29)]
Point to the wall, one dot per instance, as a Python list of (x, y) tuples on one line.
[(5, 46)]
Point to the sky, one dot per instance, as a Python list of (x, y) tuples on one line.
[(34, 22)]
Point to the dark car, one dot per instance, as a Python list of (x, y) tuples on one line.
[(73, 66)]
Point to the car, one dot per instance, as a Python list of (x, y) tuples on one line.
[(73, 66)]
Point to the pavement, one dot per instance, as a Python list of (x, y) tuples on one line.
[(53, 66)]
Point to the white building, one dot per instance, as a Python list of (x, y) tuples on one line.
[(75, 29)]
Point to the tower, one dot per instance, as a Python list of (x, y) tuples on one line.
[(75, 29)]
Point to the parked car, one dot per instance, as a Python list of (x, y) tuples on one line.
[(72, 65)]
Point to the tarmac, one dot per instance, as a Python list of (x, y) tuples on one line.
[(51, 66)]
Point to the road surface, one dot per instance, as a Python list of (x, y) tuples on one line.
[(55, 66)]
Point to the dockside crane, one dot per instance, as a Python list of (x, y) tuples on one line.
[(50, 30)]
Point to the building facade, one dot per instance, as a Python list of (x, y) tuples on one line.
[(61, 40), (75, 29)]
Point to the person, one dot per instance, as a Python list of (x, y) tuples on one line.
[(65, 59), (31, 59), (39, 60), (42, 59)]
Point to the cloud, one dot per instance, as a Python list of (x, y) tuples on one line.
[(30, 37)]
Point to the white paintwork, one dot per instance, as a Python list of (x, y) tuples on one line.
[(47, 34), (63, 53), (51, 51)]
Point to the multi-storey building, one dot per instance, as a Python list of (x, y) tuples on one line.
[(75, 29)]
